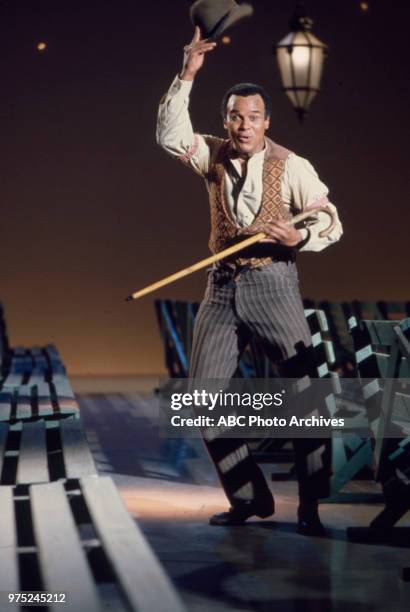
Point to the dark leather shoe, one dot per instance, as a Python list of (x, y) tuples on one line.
[(309, 522), (239, 513)]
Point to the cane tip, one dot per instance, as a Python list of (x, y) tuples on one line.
[(129, 298)]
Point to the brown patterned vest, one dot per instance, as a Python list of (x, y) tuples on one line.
[(224, 230)]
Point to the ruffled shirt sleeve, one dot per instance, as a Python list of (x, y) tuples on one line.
[(301, 187), (174, 129)]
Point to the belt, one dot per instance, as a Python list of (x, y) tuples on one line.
[(235, 270)]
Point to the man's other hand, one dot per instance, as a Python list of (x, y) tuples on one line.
[(194, 54), (280, 232)]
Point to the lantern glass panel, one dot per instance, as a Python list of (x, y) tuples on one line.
[(300, 60), (292, 97), (317, 65), (309, 98), (301, 57), (284, 57)]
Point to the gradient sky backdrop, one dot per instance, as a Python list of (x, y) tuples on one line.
[(92, 209)]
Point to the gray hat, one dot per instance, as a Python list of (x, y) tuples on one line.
[(215, 16)]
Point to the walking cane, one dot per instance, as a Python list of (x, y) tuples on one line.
[(203, 263)]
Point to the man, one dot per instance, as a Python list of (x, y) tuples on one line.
[(254, 185)]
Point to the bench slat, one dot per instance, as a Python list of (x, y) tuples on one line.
[(5, 404), (13, 379), (67, 404), (381, 332), (63, 563), (32, 465), (24, 408), (36, 377), (45, 405), (52, 352), (4, 431), (9, 576), (77, 456), (139, 573), (63, 386)]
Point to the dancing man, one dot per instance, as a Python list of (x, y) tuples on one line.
[(254, 185)]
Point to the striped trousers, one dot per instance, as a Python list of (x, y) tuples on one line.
[(265, 303)]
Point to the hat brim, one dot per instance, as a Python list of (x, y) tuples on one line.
[(229, 20)]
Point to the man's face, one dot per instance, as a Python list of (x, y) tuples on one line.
[(246, 123)]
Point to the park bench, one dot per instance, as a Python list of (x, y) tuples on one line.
[(383, 362), (63, 529), (351, 453), (32, 365), (338, 314), (382, 358), (78, 539)]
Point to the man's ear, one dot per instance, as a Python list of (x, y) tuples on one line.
[(225, 125), (267, 122)]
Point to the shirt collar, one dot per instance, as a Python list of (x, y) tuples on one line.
[(233, 154)]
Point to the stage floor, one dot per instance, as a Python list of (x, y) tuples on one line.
[(171, 488)]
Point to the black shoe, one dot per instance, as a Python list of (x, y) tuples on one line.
[(309, 522), (238, 514)]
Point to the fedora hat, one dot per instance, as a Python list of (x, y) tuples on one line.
[(215, 16)]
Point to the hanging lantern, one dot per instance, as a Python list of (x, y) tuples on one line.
[(300, 57)]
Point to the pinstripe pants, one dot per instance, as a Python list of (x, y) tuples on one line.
[(266, 303)]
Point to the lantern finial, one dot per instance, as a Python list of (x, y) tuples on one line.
[(299, 21)]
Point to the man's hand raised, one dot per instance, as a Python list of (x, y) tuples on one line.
[(194, 54)]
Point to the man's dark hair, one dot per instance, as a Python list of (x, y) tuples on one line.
[(247, 89)]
